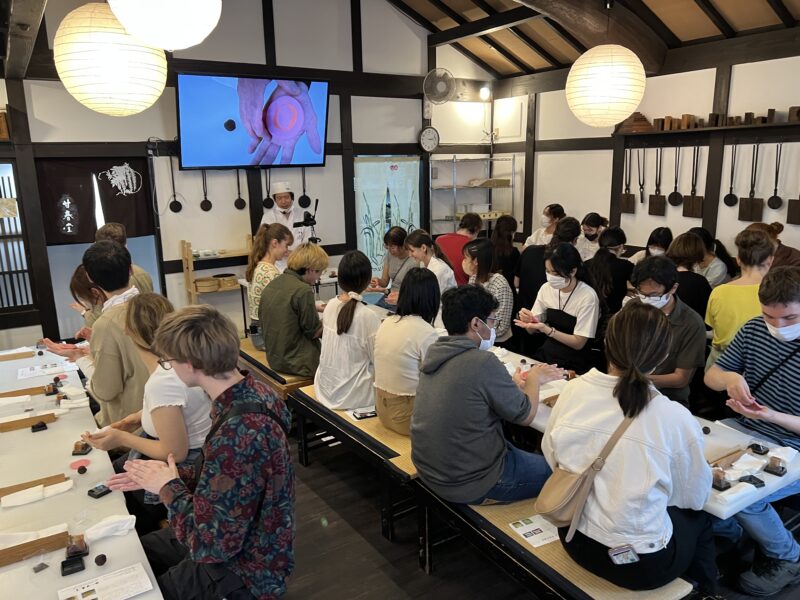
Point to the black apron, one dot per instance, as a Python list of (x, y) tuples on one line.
[(554, 352)]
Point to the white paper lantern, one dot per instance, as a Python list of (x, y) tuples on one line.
[(605, 85), (168, 24), (103, 67)]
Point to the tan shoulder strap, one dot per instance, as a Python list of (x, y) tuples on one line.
[(592, 471)]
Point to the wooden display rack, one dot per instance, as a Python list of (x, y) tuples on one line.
[(189, 260)]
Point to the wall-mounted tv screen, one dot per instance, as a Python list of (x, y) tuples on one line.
[(238, 122)]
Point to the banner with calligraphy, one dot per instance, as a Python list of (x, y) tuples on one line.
[(78, 195)]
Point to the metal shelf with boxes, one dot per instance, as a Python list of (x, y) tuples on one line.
[(223, 282), (459, 185)]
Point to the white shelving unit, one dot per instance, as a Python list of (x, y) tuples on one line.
[(451, 194)]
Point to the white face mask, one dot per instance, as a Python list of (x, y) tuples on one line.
[(486, 344), (557, 281), (784, 334), (546, 221), (655, 251), (657, 302)]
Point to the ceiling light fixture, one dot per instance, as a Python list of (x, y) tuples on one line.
[(168, 24)]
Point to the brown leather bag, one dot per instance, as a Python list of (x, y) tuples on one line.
[(564, 494)]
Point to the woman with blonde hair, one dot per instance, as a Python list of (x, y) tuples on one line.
[(270, 245), (174, 418), (288, 314)]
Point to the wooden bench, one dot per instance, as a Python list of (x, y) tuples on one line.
[(387, 451), (256, 361), (547, 570)]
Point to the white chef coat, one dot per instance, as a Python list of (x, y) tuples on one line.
[(295, 215)]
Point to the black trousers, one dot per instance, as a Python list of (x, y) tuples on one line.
[(690, 552), (180, 578)]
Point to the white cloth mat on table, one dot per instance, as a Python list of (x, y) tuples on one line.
[(736, 492), (35, 494), (9, 540)]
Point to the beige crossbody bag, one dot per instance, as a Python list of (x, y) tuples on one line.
[(564, 494)]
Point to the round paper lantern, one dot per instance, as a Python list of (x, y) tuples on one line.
[(105, 68), (168, 24), (605, 85)]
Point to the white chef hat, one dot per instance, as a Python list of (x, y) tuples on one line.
[(280, 187)]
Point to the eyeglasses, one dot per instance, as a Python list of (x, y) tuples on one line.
[(492, 319), (653, 295), (165, 363)]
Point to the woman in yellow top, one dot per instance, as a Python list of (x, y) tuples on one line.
[(732, 304)]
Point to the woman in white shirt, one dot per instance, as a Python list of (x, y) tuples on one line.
[(645, 505), (344, 378), (551, 215), (175, 419), (717, 266), (400, 346), (592, 225), (422, 248), (477, 263), (566, 310)]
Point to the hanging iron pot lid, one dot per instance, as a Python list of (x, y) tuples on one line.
[(239, 203), (304, 201), (205, 205), (268, 202), (730, 198), (775, 201)]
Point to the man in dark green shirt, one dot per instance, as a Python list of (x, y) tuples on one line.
[(288, 314)]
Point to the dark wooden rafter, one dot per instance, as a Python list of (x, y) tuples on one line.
[(426, 24), (641, 10), (23, 29), (268, 18), (779, 8), (520, 34), (576, 44), (480, 29), (716, 17)]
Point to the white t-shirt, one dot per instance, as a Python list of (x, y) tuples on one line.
[(658, 462), (583, 305), (344, 378), (539, 238), (716, 272), (444, 274), (400, 346), (586, 248), (164, 388)]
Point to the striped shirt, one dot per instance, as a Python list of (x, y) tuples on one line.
[(753, 353)]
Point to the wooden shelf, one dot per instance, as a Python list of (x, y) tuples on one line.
[(188, 260), (223, 254)]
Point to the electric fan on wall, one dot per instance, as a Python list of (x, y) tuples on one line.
[(439, 86)]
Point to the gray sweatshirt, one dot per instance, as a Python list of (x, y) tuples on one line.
[(463, 397)]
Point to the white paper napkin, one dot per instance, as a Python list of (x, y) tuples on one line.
[(784, 453), (73, 392), (735, 493), (14, 400), (113, 525), (35, 494), (8, 540), (71, 404), (749, 464), (58, 488)]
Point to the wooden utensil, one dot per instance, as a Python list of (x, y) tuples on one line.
[(730, 198), (205, 205), (726, 460), (775, 201), (17, 355), (693, 204), (31, 391), (752, 208), (45, 481), (676, 198), (20, 552), (640, 171), (657, 206), (627, 199), (27, 422)]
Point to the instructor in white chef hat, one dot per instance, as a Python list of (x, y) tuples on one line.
[(285, 212)]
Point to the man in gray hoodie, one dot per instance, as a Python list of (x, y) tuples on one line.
[(463, 397)]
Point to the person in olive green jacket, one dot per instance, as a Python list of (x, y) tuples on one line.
[(288, 314)]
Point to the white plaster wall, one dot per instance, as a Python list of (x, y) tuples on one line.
[(462, 122), (334, 120), (728, 223), (510, 119), (55, 116), (238, 36), (556, 121), (758, 86), (459, 65), (391, 42), (678, 94), (310, 33), (579, 181), (386, 119), (638, 226)]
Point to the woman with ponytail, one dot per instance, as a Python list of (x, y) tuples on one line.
[(346, 365), (718, 266), (609, 273), (422, 248), (645, 505), (270, 245)]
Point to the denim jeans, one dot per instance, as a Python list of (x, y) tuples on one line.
[(760, 520), (523, 476)]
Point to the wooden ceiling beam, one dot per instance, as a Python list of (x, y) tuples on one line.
[(426, 24), (716, 17), (641, 10), (23, 29), (520, 34), (576, 44), (779, 8), (481, 27)]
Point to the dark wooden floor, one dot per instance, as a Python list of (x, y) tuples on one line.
[(340, 553)]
